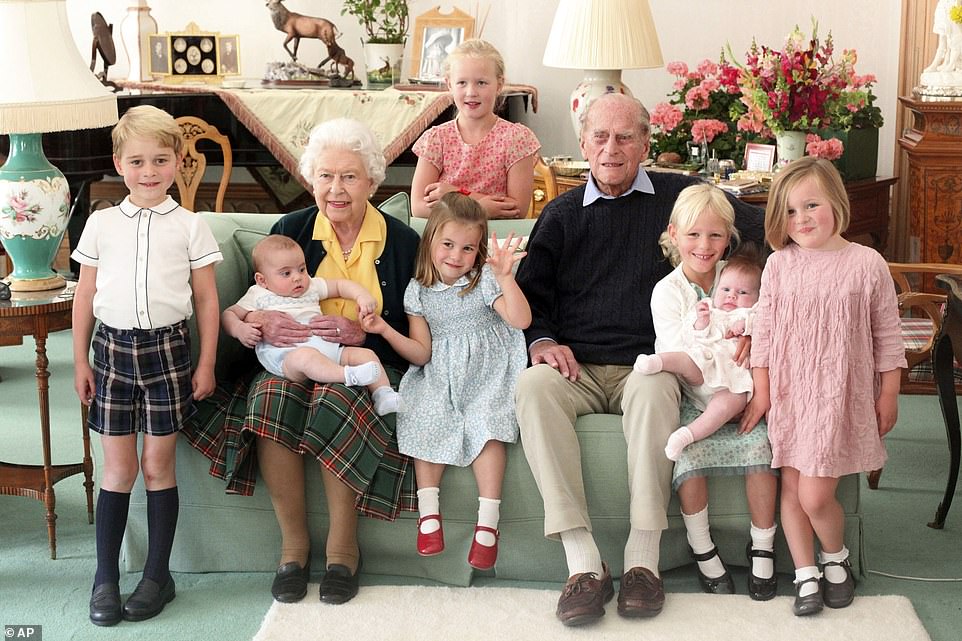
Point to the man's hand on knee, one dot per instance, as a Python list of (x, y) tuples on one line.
[(557, 356)]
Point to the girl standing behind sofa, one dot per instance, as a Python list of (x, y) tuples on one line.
[(465, 313), (826, 355), (477, 153)]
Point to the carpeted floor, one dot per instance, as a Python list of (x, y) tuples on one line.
[(511, 614), (53, 594)]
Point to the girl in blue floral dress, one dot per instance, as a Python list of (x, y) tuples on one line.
[(466, 313)]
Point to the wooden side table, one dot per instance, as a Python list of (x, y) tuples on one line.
[(946, 349), (38, 314)]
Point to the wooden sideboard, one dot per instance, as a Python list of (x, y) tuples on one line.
[(933, 144), (869, 199)]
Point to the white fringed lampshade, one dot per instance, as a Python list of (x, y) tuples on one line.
[(46, 87), (602, 37), (46, 84)]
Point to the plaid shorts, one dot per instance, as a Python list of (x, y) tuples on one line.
[(143, 380)]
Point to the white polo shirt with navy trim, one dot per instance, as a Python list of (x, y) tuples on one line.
[(144, 259)]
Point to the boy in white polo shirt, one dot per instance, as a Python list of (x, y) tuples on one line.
[(141, 262)]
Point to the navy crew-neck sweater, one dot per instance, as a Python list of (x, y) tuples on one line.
[(589, 271)]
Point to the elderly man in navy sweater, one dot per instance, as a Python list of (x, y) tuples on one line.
[(593, 259)]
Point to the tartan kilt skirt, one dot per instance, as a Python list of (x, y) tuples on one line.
[(332, 423)]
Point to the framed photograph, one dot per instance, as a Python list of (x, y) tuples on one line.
[(436, 35), (159, 54), (228, 57), (759, 157)]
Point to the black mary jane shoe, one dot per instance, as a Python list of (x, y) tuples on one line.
[(338, 584), (290, 581), (809, 604), (760, 589), (105, 606), (148, 599), (839, 595), (723, 584)]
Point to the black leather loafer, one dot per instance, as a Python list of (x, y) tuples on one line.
[(290, 581), (760, 589), (148, 599), (809, 604), (723, 584), (105, 606), (839, 595), (338, 584)]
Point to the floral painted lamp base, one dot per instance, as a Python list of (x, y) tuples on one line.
[(34, 209), (596, 82)]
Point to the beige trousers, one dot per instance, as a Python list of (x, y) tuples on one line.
[(548, 406)]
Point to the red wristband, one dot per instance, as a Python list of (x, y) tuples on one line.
[(464, 192)]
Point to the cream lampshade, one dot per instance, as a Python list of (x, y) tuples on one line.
[(47, 87), (602, 37)]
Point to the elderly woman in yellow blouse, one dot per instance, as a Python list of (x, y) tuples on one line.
[(343, 236)]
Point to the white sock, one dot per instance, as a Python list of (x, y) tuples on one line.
[(678, 441), (699, 538), (763, 539), (489, 513), (581, 552), (834, 573), (429, 503), (386, 400), (648, 364), (807, 572), (643, 549), (363, 374)]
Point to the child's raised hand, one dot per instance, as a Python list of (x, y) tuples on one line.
[(703, 309), (372, 323), (249, 334), (503, 257), (365, 304)]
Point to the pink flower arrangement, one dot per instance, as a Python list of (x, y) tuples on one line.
[(829, 149)]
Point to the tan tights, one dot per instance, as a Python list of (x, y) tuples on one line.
[(283, 472)]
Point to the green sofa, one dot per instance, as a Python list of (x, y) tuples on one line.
[(218, 532)]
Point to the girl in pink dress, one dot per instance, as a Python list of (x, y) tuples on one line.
[(478, 153), (826, 353)]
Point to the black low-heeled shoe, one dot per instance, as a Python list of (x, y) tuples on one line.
[(338, 584), (760, 589), (808, 604), (839, 595), (723, 584), (290, 581), (148, 599), (105, 606)]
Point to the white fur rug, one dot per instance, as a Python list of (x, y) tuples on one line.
[(417, 613)]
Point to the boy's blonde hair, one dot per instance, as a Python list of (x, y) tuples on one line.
[(456, 208), (828, 179), (270, 244), (476, 48), (691, 203), (147, 121)]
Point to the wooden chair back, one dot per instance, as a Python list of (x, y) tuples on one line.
[(550, 190), (191, 172)]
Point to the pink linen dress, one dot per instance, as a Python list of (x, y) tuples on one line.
[(827, 323), (482, 167)]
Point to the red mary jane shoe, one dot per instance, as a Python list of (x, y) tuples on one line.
[(482, 557), (433, 543)]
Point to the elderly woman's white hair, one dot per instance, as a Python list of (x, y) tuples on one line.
[(344, 133)]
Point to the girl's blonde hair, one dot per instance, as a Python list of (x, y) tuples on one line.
[(691, 203), (476, 48), (828, 179), (147, 121), (452, 208)]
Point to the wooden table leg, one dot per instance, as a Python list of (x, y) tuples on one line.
[(942, 366), (88, 465), (43, 376)]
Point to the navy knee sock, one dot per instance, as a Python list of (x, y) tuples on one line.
[(111, 522), (162, 508)]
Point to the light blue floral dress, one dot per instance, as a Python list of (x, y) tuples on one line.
[(464, 396)]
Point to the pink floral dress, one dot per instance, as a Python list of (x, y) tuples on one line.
[(482, 167)]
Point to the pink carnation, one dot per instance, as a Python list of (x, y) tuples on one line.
[(697, 98), (710, 84), (677, 68), (705, 130), (707, 68), (666, 116), (830, 149)]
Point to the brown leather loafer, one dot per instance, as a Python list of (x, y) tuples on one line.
[(584, 596), (642, 594)]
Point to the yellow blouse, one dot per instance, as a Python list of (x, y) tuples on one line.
[(359, 266)]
